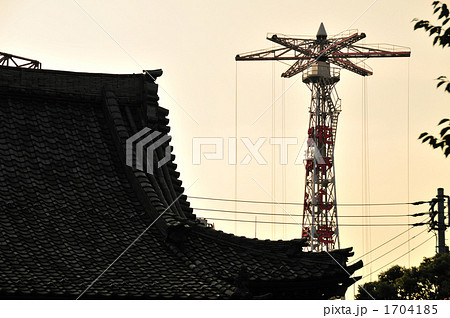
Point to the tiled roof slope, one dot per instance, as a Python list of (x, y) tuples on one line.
[(69, 205)]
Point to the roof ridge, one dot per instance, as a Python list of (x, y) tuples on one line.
[(156, 191), (138, 180)]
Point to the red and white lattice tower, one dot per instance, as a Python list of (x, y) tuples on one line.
[(315, 57)]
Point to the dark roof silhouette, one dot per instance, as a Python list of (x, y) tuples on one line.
[(69, 205)]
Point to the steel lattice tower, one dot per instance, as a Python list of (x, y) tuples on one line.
[(314, 57)]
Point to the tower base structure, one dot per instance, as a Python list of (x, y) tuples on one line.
[(320, 225)]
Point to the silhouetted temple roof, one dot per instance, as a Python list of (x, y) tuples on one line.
[(69, 205)]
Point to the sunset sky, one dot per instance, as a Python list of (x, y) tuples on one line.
[(195, 43)]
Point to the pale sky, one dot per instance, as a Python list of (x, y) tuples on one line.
[(195, 43)]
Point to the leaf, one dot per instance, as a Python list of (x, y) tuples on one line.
[(442, 77), (435, 29), (433, 142), (435, 3), (447, 140), (446, 36), (448, 88), (444, 12), (427, 138), (422, 135), (443, 121), (445, 21), (421, 24), (444, 130), (447, 152), (440, 83), (435, 40)]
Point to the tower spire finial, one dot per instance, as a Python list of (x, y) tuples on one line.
[(321, 34)]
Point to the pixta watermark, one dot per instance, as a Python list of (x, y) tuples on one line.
[(141, 149), (225, 149)]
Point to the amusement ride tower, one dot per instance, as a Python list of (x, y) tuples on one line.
[(314, 57)]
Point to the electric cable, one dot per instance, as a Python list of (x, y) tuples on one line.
[(294, 223), (379, 257), (301, 204), (381, 245), (283, 135), (299, 215), (408, 154), (235, 145), (398, 257), (273, 148)]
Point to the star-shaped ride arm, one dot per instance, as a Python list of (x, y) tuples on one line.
[(279, 53), (340, 50), (372, 50), (350, 66), (302, 46)]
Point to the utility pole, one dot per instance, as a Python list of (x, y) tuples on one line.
[(440, 226), (441, 222)]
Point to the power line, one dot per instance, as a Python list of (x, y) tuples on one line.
[(236, 145), (283, 135), (301, 204), (299, 215), (390, 240), (398, 257), (273, 149), (293, 223), (407, 241), (407, 155)]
